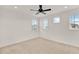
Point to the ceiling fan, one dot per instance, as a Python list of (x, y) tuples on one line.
[(41, 10)]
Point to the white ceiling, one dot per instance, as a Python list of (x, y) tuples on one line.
[(25, 9)]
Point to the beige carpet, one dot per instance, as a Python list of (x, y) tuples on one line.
[(39, 46)]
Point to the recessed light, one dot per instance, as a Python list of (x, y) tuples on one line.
[(65, 6), (15, 7)]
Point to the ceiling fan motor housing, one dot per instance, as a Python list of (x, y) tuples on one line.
[(40, 10)]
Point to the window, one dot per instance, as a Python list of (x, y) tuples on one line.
[(56, 20), (34, 25), (45, 24), (39, 25), (74, 22)]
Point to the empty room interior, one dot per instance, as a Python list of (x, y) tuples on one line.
[(39, 29)]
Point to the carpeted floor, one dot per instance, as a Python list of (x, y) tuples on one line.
[(39, 46)]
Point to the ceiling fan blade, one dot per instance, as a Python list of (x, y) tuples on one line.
[(37, 13), (33, 10), (40, 6), (47, 10), (43, 13)]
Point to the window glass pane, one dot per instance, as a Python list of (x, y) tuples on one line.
[(71, 19), (56, 20), (45, 24), (74, 21), (34, 25), (77, 18)]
